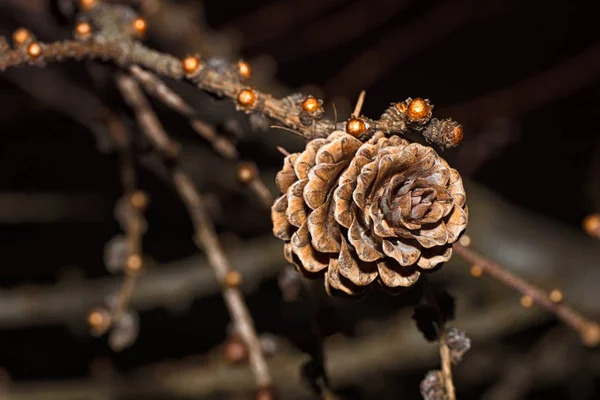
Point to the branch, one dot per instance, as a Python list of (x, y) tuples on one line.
[(446, 367), (153, 85), (124, 255), (348, 361), (588, 330), (172, 285), (213, 76), (205, 234)]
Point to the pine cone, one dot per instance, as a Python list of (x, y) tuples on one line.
[(383, 210)]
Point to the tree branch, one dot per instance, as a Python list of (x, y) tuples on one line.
[(174, 284), (348, 361)]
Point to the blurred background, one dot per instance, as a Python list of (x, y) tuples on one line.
[(523, 78)]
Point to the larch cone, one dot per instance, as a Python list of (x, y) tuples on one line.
[(380, 211)]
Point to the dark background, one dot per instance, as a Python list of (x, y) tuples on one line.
[(522, 76)]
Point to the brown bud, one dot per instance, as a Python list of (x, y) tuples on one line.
[(456, 136), (246, 172), (556, 295), (34, 50), (134, 263), (458, 343), (139, 26), (311, 110), (83, 30), (139, 200), (418, 110), (235, 351), (445, 133), (591, 335), (191, 64), (87, 5), (591, 225), (99, 320), (246, 98), (476, 271), (310, 104), (20, 36), (526, 302), (356, 127), (432, 386), (232, 279), (244, 69), (265, 393)]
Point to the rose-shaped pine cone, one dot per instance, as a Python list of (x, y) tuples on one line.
[(383, 210)]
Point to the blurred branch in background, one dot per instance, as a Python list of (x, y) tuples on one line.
[(396, 346), (175, 285)]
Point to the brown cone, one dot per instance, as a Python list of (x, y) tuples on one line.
[(380, 211)]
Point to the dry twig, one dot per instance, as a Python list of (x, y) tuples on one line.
[(154, 86), (446, 367), (589, 331), (348, 361), (205, 234), (134, 201)]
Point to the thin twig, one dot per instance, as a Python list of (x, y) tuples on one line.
[(133, 229), (205, 234), (129, 215), (589, 331), (440, 326), (171, 285), (446, 367), (157, 88), (206, 238), (359, 104), (123, 298), (349, 360)]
